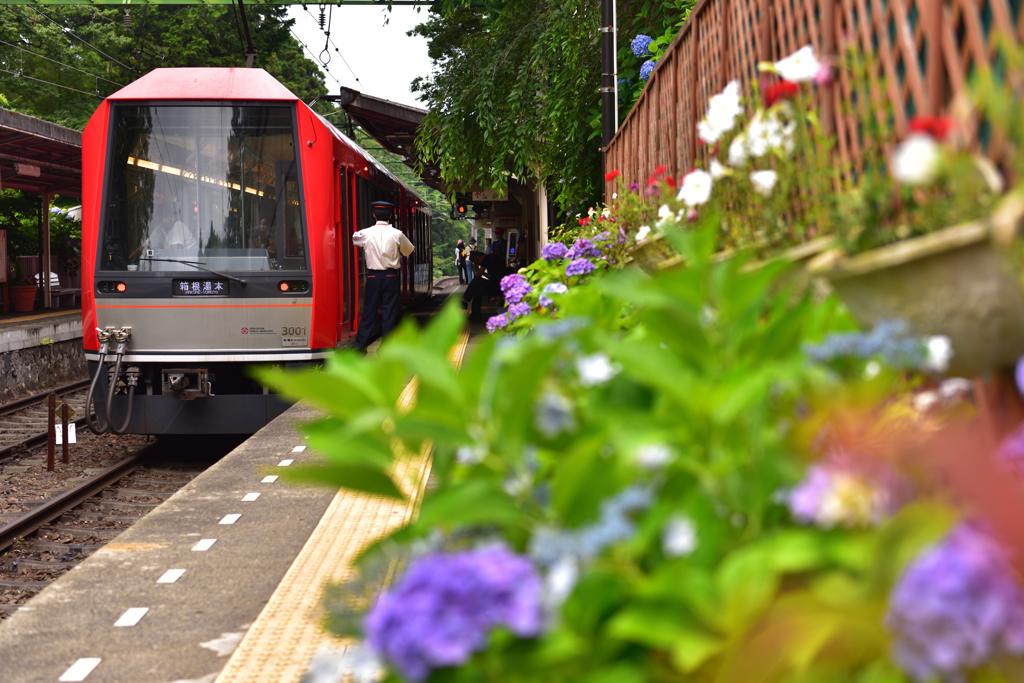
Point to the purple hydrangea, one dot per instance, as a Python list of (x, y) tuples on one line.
[(580, 266), (956, 606), (554, 251), (647, 68), (498, 322), (551, 288), (515, 287), (516, 310), (835, 494), (641, 45), (583, 248), (439, 614), (1011, 451)]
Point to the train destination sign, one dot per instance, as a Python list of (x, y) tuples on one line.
[(197, 287)]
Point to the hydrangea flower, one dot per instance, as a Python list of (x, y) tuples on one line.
[(554, 251), (679, 536), (647, 68), (584, 248), (916, 160), (696, 188), (956, 606), (1011, 451), (889, 339), (764, 182), (800, 66), (441, 611), (580, 266), (522, 308), (722, 111), (515, 287), (554, 415), (551, 288), (831, 496), (497, 322), (595, 369), (641, 45)]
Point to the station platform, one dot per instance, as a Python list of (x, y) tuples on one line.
[(40, 349), (23, 330), (217, 584)]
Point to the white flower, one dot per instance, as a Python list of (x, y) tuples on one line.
[(679, 537), (665, 213), (643, 232), (738, 151), (606, 213), (718, 169), (696, 188), (764, 182), (653, 455), (940, 351), (800, 66), (470, 455), (916, 160), (721, 114), (764, 135), (872, 369), (560, 581), (953, 387), (615, 195), (595, 369)]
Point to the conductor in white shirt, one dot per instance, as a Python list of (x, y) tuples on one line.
[(384, 246)]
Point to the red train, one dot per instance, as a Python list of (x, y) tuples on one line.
[(218, 212)]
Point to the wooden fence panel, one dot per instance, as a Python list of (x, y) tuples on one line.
[(923, 56)]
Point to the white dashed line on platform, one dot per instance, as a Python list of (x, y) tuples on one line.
[(298, 449), (285, 463), (270, 479), (230, 519), (132, 616), (249, 497), (204, 544), (80, 669), (171, 575)]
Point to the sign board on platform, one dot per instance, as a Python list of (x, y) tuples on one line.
[(507, 221), (3, 256), (60, 433), (490, 196)]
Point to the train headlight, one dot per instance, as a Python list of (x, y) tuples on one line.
[(110, 287), (293, 286)]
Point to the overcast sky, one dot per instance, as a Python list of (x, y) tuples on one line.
[(383, 58)]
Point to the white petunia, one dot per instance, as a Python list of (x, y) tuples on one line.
[(940, 352), (721, 114), (679, 537), (764, 135), (643, 232), (652, 456), (916, 160), (764, 182), (800, 66), (738, 152), (665, 213), (696, 188), (595, 369), (718, 169)]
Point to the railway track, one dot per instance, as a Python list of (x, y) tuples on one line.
[(23, 422)]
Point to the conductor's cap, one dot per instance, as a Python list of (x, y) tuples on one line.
[(382, 205)]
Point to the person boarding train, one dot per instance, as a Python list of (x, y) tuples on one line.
[(383, 246)]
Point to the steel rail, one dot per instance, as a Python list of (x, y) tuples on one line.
[(28, 401), (44, 514)]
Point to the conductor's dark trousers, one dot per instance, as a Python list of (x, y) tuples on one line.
[(382, 287)]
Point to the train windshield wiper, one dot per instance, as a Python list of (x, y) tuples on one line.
[(196, 265)]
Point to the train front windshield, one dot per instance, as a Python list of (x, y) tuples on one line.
[(210, 186)]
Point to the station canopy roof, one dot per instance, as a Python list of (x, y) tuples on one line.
[(39, 156)]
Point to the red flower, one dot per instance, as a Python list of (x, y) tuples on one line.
[(670, 180), (584, 221), (611, 175), (937, 127), (783, 90), (660, 170), (653, 180)]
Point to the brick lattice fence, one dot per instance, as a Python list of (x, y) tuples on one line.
[(922, 52)]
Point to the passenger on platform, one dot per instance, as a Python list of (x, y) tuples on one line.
[(498, 247), (470, 270), (460, 262), (490, 270), (521, 260), (384, 246), (487, 245)]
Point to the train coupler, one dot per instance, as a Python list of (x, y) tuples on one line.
[(186, 384)]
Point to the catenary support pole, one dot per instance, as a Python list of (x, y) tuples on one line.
[(607, 76)]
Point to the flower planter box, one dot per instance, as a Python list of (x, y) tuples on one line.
[(955, 282), (23, 297)]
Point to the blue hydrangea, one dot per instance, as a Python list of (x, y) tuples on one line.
[(580, 266), (516, 310), (498, 322), (646, 68), (549, 546), (441, 611), (584, 248), (515, 287), (890, 339), (551, 288), (554, 251), (641, 45), (956, 606)]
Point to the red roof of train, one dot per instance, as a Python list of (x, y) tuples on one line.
[(205, 84)]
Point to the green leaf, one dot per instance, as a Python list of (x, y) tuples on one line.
[(747, 583), (797, 550), (474, 503), (361, 478)]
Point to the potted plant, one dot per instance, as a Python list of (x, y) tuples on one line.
[(22, 289)]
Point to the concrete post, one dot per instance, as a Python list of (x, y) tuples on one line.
[(46, 249)]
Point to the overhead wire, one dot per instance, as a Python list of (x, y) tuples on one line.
[(68, 31), (56, 85), (69, 66), (331, 41)]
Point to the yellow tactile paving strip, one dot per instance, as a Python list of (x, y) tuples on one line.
[(279, 645)]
